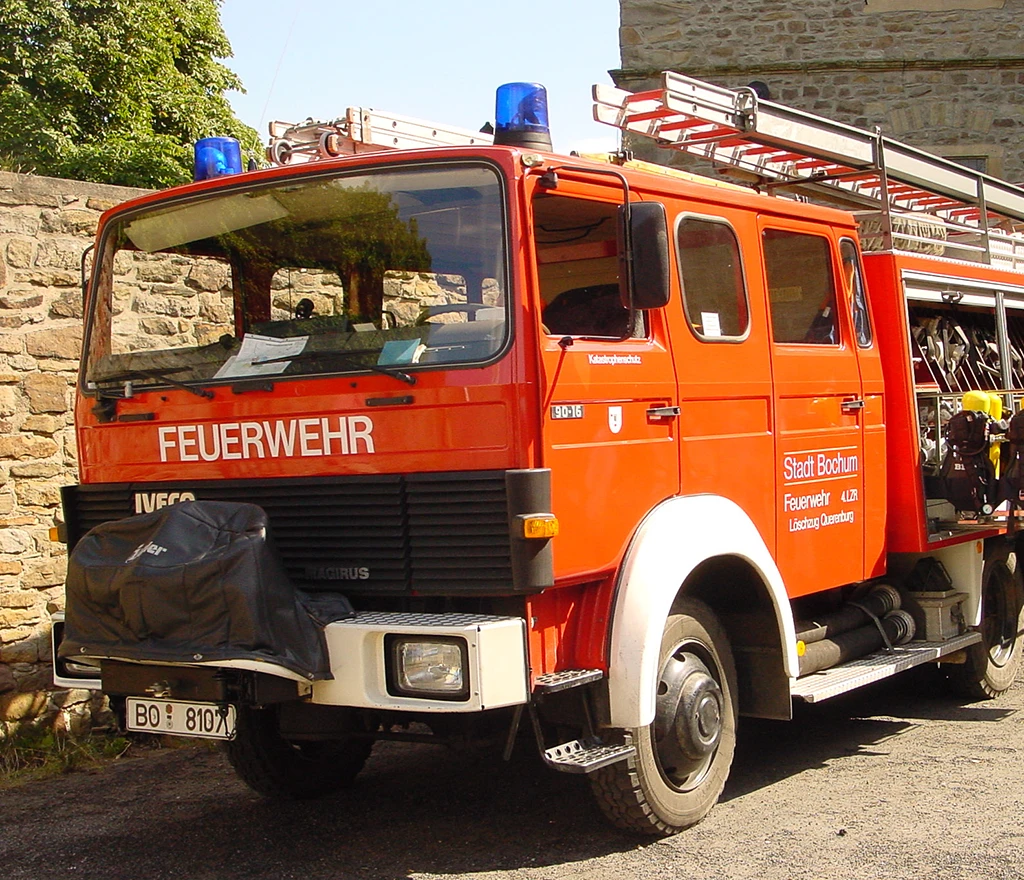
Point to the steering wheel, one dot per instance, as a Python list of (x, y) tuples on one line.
[(469, 309)]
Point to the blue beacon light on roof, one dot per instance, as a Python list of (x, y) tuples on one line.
[(521, 116), (217, 156)]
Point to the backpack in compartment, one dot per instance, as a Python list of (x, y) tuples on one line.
[(967, 472), (1011, 462)]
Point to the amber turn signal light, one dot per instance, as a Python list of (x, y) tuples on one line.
[(539, 525)]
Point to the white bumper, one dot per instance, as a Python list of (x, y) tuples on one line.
[(497, 665)]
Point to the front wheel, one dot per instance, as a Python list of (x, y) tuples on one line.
[(991, 665), (291, 770), (683, 758)]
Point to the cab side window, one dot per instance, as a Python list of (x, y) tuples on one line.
[(578, 268), (714, 295), (853, 278), (801, 289)]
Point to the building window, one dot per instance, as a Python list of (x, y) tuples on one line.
[(930, 5), (975, 163)]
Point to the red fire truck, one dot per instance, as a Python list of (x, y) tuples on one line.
[(417, 436)]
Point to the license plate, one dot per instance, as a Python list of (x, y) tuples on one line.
[(180, 718)]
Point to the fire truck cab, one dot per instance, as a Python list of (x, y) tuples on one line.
[(476, 439)]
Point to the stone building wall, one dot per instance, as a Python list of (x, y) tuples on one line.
[(45, 225), (945, 75)]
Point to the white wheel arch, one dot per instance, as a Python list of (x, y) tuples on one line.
[(674, 538)]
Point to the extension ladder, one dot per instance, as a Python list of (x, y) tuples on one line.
[(361, 130)]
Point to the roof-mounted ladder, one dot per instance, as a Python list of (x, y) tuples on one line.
[(361, 130), (785, 148)]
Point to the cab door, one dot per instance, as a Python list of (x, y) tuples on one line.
[(610, 419), (819, 406)]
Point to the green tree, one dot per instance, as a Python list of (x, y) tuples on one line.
[(114, 91)]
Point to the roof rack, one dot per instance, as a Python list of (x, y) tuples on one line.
[(781, 148), (361, 130)]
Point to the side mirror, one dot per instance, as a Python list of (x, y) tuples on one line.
[(645, 245)]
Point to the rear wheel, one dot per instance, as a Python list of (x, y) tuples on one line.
[(291, 770), (993, 663), (682, 759)]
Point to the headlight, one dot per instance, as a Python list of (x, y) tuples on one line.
[(434, 668)]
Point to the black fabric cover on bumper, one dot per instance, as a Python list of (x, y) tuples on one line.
[(196, 581)]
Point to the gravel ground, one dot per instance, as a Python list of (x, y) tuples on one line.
[(898, 781)]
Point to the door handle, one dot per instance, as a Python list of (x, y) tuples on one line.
[(851, 406), (663, 412)]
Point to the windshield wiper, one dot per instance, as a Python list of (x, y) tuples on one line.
[(158, 376), (350, 357)]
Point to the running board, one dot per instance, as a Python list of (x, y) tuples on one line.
[(830, 683)]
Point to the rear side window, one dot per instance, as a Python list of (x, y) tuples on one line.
[(801, 289), (714, 295)]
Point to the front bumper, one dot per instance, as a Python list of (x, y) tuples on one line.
[(497, 668)]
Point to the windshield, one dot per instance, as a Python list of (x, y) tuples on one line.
[(386, 271)]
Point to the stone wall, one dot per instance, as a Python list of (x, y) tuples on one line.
[(45, 225), (946, 75)]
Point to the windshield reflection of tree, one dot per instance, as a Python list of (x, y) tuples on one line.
[(361, 237)]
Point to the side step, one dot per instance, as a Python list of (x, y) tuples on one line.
[(588, 753), (552, 682), (579, 757), (838, 680)]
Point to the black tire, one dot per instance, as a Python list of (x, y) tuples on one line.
[(646, 794), (992, 664), (291, 770)]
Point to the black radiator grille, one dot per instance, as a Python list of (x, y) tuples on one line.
[(466, 519), (440, 534)]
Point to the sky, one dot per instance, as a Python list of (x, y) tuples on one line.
[(440, 61)]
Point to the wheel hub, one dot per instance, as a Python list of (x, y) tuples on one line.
[(688, 717), (698, 722)]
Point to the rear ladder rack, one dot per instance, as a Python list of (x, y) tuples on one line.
[(785, 148)]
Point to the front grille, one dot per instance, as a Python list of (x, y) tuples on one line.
[(430, 534)]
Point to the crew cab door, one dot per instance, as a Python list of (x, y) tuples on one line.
[(819, 406), (609, 430)]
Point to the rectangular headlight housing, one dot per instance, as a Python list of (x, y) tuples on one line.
[(433, 667), (495, 664)]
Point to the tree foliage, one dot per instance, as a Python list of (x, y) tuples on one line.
[(113, 91)]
